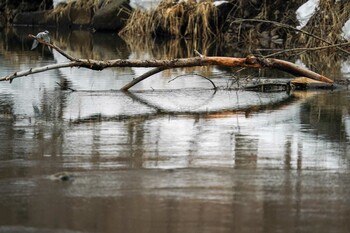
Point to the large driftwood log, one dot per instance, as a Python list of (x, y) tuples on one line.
[(160, 65)]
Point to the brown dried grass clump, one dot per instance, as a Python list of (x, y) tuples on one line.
[(63, 9), (175, 19), (327, 24)]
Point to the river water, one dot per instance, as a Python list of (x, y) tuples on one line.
[(168, 156)]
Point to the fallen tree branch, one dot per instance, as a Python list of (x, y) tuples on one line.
[(160, 65), (30, 71)]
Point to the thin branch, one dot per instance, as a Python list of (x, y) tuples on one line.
[(198, 53), (54, 47), (307, 49), (214, 86), (293, 28), (142, 77), (36, 70)]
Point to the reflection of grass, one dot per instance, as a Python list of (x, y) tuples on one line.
[(324, 62), (173, 48)]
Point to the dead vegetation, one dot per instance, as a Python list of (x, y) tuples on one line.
[(201, 21), (327, 23), (63, 7), (187, 19)]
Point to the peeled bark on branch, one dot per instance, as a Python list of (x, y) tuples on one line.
[(160, 65)]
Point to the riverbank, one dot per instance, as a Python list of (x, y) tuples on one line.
[(273, 25), (91, 14)]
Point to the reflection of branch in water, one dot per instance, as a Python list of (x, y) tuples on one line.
[(144, 102), (65, 86), (247, 111), (160, 109)]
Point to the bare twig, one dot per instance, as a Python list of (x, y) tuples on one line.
[(142, 77), (214, 86), (198, 53), (54, 47), (292, 28), (36, 70), (307, 49)]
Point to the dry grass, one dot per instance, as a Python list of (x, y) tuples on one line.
[(175, 19), (327, 23), (79, 4)]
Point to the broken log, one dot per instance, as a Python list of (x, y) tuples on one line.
[(160, 65), (303, 83)]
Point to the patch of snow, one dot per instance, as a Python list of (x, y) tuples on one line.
[(346, 30), (306, 11), (145, 5), (345, 68), (56, 2), (218, 3), (298, 62)]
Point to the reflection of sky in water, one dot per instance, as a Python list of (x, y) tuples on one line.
[(243, 156), (273, 138)]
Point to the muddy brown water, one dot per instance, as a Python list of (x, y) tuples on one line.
[(168, 157)]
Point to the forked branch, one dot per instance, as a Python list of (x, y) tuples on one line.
[(160, 65)]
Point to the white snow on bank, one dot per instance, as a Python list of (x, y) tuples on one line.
[(145, 5), (218, 3), (306, 11), (346, 30), (345, 69), (56, 2)]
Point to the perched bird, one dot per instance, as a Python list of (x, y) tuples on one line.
[(41, 35)]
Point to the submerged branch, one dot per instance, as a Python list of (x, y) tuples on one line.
[(199, 75), (160, 65)]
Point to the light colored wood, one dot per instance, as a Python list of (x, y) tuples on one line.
[(160, 65)]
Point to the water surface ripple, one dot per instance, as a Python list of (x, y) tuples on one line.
[(167, 157)]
